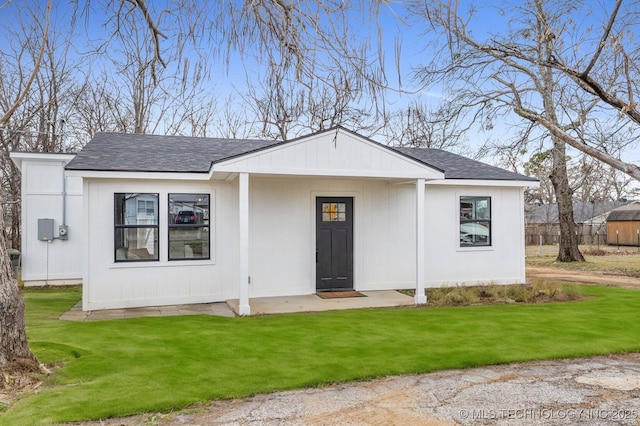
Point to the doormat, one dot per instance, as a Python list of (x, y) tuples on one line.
[(339, 294)]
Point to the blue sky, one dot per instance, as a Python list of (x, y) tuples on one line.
[(413, 35)]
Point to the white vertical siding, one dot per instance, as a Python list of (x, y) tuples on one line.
[(282, 240), (450, 264), (59, 261), (329, 154), (283, 234), (110, 285)]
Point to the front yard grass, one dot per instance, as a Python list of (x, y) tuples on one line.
[(123, 367)]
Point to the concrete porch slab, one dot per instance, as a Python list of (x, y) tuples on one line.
[(313, 303), (77, 314), (259, 306)]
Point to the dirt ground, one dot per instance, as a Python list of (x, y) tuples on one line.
[(585, 277), (592, 391)]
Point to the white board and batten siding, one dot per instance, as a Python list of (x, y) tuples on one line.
[(449, 264), (283, 233), (110, 284), (44, 184), (282, 241), (330, 154)]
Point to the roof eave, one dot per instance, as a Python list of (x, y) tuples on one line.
[(486, 182), (140, 174)]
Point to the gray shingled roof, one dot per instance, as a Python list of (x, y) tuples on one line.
[(582, 211), (630, 212), (456, 166), (121, 152)]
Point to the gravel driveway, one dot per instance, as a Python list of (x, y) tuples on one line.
[(597, 390)]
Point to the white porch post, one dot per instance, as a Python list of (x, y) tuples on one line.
[(243, 197), (420, 297)]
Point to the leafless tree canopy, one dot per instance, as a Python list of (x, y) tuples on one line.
[(565, 68), (588, 48)]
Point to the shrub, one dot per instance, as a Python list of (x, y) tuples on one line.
[(460, 296), (542, 291), (518, 293), (595, 252), (572, 291)]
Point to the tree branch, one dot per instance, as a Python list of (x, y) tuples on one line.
[(155, 35), (628, 168), (603, 40), (36, 68)]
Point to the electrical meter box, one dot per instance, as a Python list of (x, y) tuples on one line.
[(45, 229), (63, 232)]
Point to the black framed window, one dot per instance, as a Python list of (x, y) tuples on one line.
[(189, 231), (136, 227), (475, 221)]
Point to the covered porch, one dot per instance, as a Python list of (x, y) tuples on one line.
[(347, 172)]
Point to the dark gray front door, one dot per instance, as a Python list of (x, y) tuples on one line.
[(334, 243)]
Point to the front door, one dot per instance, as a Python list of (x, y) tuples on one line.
[(334, 243)]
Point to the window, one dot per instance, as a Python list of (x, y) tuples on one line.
[(334, 212), (146, 206), (136, 227), (189, 226), (475, 221)]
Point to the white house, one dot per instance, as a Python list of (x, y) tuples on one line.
[(172, 219)]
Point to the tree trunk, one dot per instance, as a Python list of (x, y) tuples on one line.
[(568, 246), (14, 349)]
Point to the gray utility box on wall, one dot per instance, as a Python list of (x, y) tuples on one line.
[(45, 229)]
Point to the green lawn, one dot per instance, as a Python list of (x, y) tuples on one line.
[(122, 367)]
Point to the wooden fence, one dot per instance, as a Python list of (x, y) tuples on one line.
[(550, 234)]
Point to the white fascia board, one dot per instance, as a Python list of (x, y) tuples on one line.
[(488, 182), (93, 174), (19, 157), (428, 175)]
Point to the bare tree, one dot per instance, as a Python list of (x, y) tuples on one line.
[(286, 108), (232, 121), (592, 180), (418, 125), (539, 166), (589, 179), (14, 348), (525, 70), (596, 61), (278, 103)]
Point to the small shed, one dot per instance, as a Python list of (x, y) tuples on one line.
[(623, 225)]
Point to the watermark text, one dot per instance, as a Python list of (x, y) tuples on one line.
[(549, 414)]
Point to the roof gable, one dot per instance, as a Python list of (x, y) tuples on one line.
[(336, 152)]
